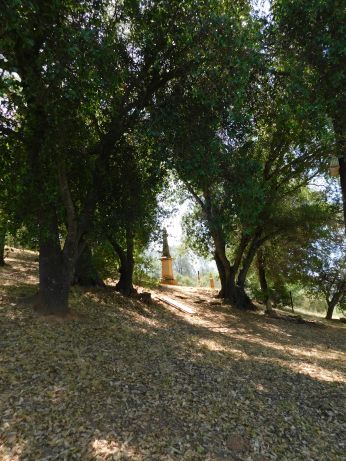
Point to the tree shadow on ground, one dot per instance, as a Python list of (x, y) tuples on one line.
[(122, 380)]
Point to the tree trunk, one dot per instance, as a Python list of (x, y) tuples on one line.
[(242, 300), (263, 280), (54, 273), (222, 275), (339, 129), (229, 290), (227, 273), (247, 261), (86, 274), (56, 265), (342, 164), (224, 268), (244, 241), (331, 306), (125, 283), (336, 298), (2, 246)]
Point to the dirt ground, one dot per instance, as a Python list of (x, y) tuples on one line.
[(122, 380)]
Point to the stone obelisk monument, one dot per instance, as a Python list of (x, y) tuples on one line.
[(167, 277)]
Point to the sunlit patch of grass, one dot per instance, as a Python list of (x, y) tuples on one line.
[(316, 372), (13, 451)]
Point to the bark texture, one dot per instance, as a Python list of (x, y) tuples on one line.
[(230, 291), (330, 310), (337, 297), (54, 272), (125, 283)]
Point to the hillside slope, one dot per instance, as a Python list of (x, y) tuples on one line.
[(122, 380)]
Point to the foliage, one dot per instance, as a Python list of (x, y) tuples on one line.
[(147, 270), (79, 83), (312, 35), (310, 42), (310, 250), (243, 148), (322, 268), (183, 261), (101, 103)]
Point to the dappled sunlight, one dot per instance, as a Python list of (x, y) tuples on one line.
[(153, 325), (310, 369), (317, 362), (12, 443), (19, 269), (277, 330), (11, 283), (122, 380), (259, 387), (261, 348), (215, 346), (266, 347), (13, 452), (110, 449), (315, 371), (292, 350), (9, 310)]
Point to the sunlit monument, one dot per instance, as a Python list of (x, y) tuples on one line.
[(211, 281), (167, 277)]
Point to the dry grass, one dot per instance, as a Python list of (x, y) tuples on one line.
[(123, 381)]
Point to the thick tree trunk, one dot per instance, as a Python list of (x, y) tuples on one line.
[(227, 273), (54, 273), (331, 306), (229, 290), (222, 275), (125, 283), (56, 265), (86, 274), (2, 246), (247, 261), (242, 300), (336, 298)]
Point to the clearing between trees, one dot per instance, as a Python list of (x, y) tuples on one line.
[(122, 380)]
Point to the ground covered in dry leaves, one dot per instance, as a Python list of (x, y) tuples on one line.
[(120, 380)]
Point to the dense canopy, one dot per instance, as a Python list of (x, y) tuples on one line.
[(229, 118)]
